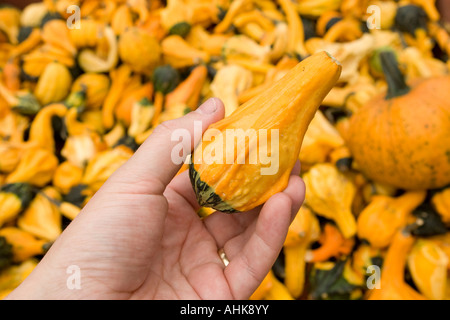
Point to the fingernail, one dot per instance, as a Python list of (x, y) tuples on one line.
[(208, 107)]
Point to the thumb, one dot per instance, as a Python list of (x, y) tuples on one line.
[(159, 158)]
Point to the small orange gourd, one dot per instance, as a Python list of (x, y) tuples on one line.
[(230, 181), (330, 194), (332, 244), (139, 49), (124, 108), (189, 90), (383, 216)]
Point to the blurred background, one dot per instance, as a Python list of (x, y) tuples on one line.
[(443, 5), (75, 104)]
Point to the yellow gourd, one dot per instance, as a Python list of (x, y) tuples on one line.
[(22, 101), (91, 61), (229, 181), (11, 154), (79, 148), (179, 53), (392, 283), (56, 33), (235, 8), (302, 232), (120, 78), (142, 113), (320, 139), (240, 48), (88, 35), (176, 12), (295, 29), (384, 215), (95, 86), (36, 167), (10, 22), (443, 241), (66, 176), (32, 41), (330, 194), (11, 277), (53, 84), (103, 164), (122, 19), (229, 82), (24, 245), (123, 110), (281, 68), (441, 202), (32, 14), (41, 131), (42, 217), (139, 49), (428, 265), (271, 289), (200, 39), (14, 198), (363, 257)]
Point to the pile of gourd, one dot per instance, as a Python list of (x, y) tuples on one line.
[(77, 98)]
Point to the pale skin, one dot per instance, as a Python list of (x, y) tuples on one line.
[(140, 237)]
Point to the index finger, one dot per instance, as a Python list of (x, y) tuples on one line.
[(158, 159)]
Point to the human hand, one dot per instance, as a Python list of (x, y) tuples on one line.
[(140, 237)]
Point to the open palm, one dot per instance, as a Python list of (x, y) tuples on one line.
[(140, 236)]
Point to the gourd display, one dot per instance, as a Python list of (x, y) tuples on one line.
[(372, 132)]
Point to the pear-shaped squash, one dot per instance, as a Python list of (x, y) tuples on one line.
[(53, 84), (230, 176), (384, 215), (42, 217), (330, 194)]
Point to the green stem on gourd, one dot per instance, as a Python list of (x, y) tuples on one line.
[(396, 81)]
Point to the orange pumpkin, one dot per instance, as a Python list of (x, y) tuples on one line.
[(403, 138)]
